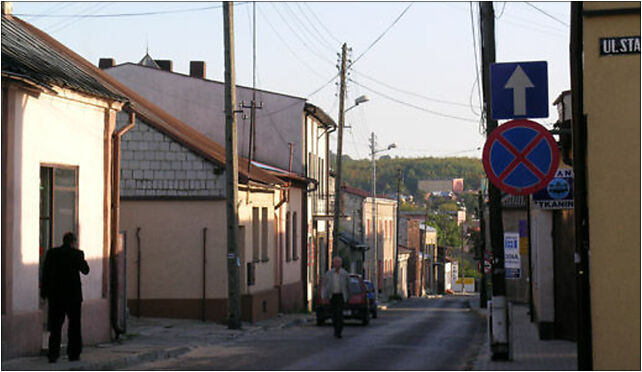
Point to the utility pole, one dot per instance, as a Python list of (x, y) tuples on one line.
[(499, 329), (231, 174), (375, 246), (396, 272), (582, 223), (337, 178), (251, 151)]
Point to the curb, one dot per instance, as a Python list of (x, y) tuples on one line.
[(149, 356)]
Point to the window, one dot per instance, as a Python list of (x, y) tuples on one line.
[(264, 234), (58, 205), (295, 239), (255, 234), (287, 237)]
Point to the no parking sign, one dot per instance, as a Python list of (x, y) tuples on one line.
[(520, 157)]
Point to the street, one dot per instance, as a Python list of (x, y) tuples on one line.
[(416, 334)]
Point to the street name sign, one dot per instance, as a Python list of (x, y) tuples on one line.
[(558, 194), (520, 157), (519, 90)]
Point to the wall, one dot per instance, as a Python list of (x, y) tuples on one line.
[(67, 129), (200, 103), (542, 265), (386, 215), (155, 165), (612, 106), (517, 289)]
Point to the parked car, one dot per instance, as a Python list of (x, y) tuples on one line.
[(357, 306), (372, 299)]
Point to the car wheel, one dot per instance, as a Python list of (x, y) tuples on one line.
[(365, 319), (320, 320)]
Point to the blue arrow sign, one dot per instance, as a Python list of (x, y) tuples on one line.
[(519, 90)]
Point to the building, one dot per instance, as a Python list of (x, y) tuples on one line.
[(361, 250), (455, 185), (58, 123), (605, 86), (291, 137), (430, 260)]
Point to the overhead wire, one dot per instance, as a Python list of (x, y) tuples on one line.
[(329, 33), (72, 21), (297, 34), (382, 34), (547, 14), (114, 15), (316, 30), (433, 112), (446, 102), (294, 54)]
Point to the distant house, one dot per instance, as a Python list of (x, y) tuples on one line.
[(58, 123), (455, 185)]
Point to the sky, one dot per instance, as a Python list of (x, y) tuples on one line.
[(418, 70)]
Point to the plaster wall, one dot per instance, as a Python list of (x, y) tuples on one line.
[(542, 264), (67, 129), (612, 106), (200, 103)]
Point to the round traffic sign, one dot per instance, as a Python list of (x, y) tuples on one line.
[(520, 157)]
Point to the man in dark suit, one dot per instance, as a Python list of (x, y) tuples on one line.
[(61, 286)]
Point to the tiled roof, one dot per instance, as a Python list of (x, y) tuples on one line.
[(27, 56), (362, 193), (157, 117)]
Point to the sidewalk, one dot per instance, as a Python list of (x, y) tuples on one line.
[(150, 339), (529, 352)]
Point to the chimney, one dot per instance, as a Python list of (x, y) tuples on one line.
[(7, 7), (164, 64), (104, 63), (197, 69)]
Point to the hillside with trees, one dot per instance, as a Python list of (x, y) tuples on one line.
[(358, 173)]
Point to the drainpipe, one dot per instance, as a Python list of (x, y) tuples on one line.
[(138, 272), (115, 221), (204, 304)]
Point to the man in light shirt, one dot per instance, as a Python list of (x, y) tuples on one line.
[(335, 287)]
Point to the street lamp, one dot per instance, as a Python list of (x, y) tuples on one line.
[(359, 100), (337, 182), (373, 152)]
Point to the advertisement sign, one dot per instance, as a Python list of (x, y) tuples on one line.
[(455, 271), (512, 261), (558, 194)]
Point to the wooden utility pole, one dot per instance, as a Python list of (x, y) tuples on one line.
[(375, 244), (231, 174), (499, 341), (582, 243), (337, 177)]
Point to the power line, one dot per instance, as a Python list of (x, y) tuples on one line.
[(547, 14), (409, 92), (415, 106), (69, 22), (319, 34), (382, 35), (502, 11), (329, 33), (175, 11), (296, 56), (312, 50)]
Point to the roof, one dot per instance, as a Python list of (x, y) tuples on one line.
[(154, 115), (561, 97), (513, 201), (316, 111), (160, 70), (362, 193), (28, 56)]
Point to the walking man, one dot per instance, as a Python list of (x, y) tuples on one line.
[(61, 286), (335, 287)]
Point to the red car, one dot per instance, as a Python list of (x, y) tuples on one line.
[(357, 306)]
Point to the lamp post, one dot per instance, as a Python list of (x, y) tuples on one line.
[(373, 152), (337, 183)]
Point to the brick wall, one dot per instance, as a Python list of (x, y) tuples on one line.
[(154, 165)]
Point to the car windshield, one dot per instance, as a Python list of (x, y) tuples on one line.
[(355, 287)]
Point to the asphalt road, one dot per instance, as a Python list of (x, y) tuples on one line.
[(416, 334)]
